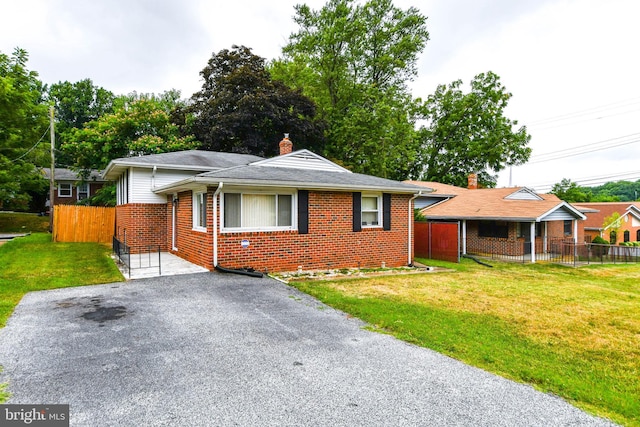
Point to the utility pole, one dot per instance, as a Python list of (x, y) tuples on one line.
[(52, 185)]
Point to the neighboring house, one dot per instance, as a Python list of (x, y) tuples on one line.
[(70, 188), (596, 212), (502, 220), (295, 211)]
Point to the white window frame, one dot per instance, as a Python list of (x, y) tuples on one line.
[(80, 192), (241, 229), (199, 203), (60, 191), (378, 211)]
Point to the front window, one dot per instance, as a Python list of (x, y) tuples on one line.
[(243, 211), (200, 211), (626, 236), (83, 191), (370, 211), (64, 190), (498, 229), (568, 227)]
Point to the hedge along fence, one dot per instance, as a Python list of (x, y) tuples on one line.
[(83, 223)]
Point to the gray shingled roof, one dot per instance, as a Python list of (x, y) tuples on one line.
[(194, 160), (199, 158), (304, 178), (62, 174)]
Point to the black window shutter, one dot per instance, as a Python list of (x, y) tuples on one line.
[(303, 211), (357, 211), (386, 211)]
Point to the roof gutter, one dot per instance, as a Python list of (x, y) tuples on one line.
[(410, 229), (215, 224)]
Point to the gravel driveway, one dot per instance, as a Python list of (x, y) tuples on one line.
[(212, 349)]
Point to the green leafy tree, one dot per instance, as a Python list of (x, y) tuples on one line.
[(469, 133), (140, 124), (76, 104), (612, 224), (354, 59), (23, 126), (242, 109), (570, 192)]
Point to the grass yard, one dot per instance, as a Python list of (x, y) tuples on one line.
[(19, 222), (34, 263), (571, 332)]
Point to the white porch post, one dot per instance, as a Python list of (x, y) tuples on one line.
[(464, 237), (575, 231), (545, 248), (533, 242)]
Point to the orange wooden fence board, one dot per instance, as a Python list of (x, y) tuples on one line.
[(83, 223)]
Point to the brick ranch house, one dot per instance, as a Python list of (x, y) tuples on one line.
[(501, 221), (596, 212), (296, 210), (70, 187)]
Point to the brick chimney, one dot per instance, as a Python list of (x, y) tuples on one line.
[(286, 146), (472, 181)]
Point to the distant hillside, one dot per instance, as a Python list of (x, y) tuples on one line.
[(620, 191)]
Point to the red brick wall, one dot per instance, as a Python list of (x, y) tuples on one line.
[(140, 225), (93, 188), (331, 243), (514, 245), (194, 246)]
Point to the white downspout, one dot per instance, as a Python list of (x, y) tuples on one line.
[(411, 215), (215, 224)]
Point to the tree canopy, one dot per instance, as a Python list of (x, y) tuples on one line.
[(140, 124), (354, 60), (242, 109), (469, 133), (23, 126), (615, 191)]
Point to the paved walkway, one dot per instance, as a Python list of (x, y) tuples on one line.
[(221, 350), (149, 265)]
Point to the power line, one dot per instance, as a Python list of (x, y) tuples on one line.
[(585, 149), (32, 148), (587, 111), (595, 180)]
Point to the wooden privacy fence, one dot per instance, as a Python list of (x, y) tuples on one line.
[(83, 223)]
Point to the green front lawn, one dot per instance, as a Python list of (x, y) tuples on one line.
[(34, 263), (571, 332), (19, 222)]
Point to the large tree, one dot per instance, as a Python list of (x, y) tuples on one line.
[(76, 104), (570, 191), (354, 59), (242, 109), (23, 126), (469, 133), (140, 124)]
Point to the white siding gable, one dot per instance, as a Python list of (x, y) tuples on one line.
[(524, 194), (142, 181), (302, 159)]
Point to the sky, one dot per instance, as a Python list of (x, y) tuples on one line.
[(572, 66)]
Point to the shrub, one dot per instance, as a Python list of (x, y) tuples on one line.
[(600, 241)]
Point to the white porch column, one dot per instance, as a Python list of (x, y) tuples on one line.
[(545, 248), (464, 237), (533, 242), (575, 231)]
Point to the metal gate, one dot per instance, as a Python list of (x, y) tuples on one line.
[(437, 240)]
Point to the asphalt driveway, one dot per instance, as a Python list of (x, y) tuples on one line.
[(211, 349)]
